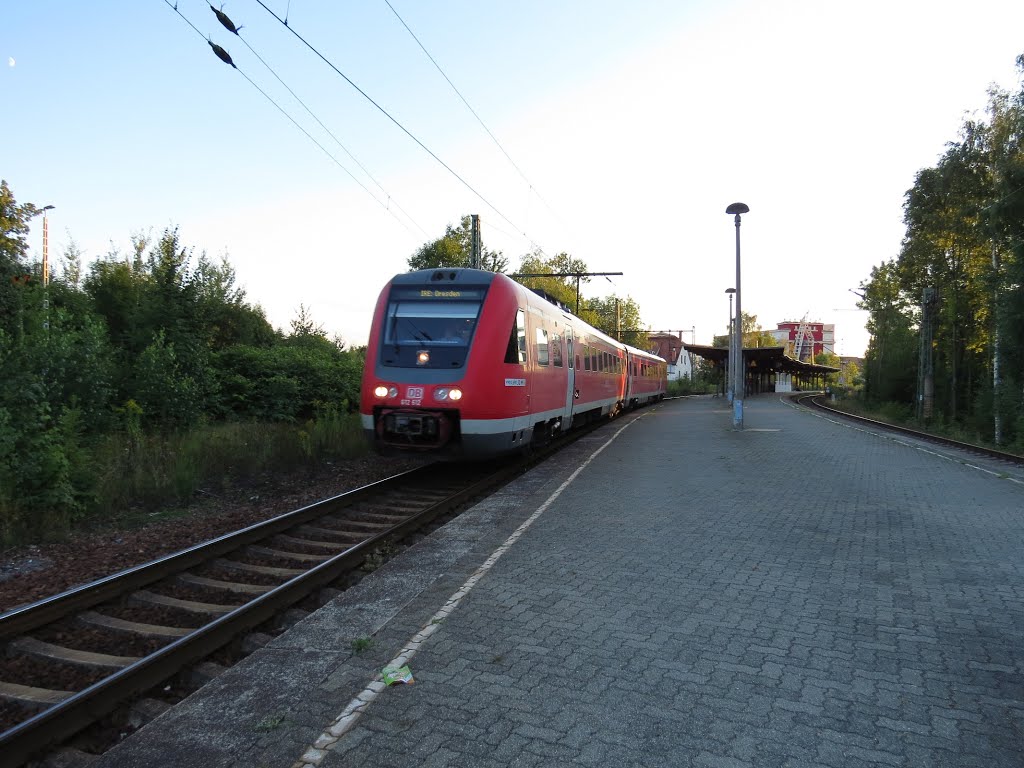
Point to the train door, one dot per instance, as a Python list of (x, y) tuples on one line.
[(630, 383), (570, 379)]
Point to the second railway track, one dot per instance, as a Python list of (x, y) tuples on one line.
[(71, 659), (814, 401)]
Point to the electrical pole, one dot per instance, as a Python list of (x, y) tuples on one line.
[(996, 381), (577, 275), (475, 260), (926, 373), (46, 268)]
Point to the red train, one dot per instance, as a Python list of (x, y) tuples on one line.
[(470, 364)]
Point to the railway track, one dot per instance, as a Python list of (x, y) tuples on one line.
[(72, 659), (815, 402)]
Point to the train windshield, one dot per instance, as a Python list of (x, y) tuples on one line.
[(425, 323)]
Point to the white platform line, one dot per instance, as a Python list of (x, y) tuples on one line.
[(899, 441), (344, 722)]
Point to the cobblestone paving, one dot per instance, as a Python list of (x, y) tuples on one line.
[(799, 594)]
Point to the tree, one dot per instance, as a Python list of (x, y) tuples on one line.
[(564, 289), (71, 261), (1004, 223), (619, 318), (228, 318), (890, 363), (303, 324), (15, 274), (752, 335), (945, 249), (455, 249), (40, 455)]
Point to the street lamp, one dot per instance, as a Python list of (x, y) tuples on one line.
[(729, 367), (46, 268), (740, 379)]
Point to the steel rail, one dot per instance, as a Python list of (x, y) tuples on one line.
[(28, 617), (85, 707), (57, 723), (814, 400)]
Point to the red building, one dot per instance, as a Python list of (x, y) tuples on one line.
[(803, 339)]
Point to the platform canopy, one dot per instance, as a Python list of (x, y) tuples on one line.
[(761, 359)]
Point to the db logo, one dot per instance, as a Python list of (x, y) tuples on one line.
[(414, 392)]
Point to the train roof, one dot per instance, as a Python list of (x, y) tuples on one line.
[(467, 276), (457, 275)]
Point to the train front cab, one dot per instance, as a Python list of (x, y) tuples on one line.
[(446, 368)]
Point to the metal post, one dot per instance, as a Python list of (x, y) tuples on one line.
[(476, 261), (730, 365), (740, 380), (46, 269), (997, 424)]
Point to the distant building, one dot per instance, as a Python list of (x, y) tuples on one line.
[(670, 347), (803, 339)]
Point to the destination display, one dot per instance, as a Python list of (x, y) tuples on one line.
[(464, 294)]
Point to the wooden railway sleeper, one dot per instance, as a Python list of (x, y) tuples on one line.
[(33, 647)]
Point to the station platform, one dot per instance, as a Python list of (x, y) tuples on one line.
[(666, 592)]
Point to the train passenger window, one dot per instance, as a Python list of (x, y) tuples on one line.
[(542, 346), (556, 350), (568, 349), (515, 352)]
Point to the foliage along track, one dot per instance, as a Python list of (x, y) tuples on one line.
[(73, 661)]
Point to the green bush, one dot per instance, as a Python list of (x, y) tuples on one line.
[(681, 387)]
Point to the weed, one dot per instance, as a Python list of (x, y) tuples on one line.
[(270, 723), (361, 644)]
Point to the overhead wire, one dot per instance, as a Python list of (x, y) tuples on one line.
[(479, 119), (226, 58), (229, 25), (388, 115)]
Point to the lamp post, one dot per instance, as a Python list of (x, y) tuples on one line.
[(730, 362), (46, 268), (739, 382)]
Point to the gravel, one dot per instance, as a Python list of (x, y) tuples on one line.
[(34, 572)]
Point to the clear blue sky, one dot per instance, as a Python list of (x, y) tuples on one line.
[(634, 124)]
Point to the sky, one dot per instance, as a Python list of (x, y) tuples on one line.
[(622, 131)]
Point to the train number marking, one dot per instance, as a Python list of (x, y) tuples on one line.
[(515, 382)]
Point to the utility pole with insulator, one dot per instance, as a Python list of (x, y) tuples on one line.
[(475, 260), (46, 268)]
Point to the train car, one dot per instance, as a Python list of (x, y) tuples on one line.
[(466, 363), (647, 377)]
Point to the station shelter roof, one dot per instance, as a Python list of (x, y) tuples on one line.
[(761, 358)]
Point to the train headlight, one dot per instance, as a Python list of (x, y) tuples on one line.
[(382, 391), (454, 393), (422, 357), (446, 393)]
